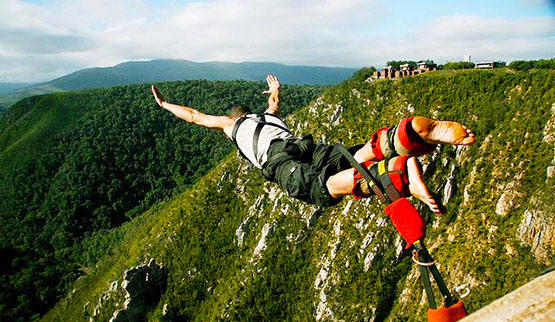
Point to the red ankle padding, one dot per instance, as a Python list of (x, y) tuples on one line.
[(414, 146), (407, 220), (447, 314), (376, 145)]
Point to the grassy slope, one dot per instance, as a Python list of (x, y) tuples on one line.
[(36, 120), (212, 277)]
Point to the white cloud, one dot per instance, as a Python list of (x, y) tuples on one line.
[(67, 35), (450, 37), (472, 27)]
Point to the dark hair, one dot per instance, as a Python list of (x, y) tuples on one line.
[(238, 111)]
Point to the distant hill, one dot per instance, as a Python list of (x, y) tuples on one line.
[(6, 94), (137, 72), (10, 87)]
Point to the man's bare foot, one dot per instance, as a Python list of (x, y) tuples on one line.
[(442, 132), (418, 188)]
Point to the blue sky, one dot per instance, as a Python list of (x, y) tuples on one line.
[(44, 39), (405, 18)]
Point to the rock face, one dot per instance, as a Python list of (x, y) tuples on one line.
[(532, 302), (537, 231), (262, 242), (449, 189), (143, 286), (507, 200)]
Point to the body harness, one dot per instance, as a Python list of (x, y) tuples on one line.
[(411, 227), (260, 124)]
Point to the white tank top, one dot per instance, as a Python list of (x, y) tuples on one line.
[(270, 126)]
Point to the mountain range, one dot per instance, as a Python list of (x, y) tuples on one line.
[(137, 72)]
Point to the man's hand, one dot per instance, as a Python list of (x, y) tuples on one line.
[(273, 84), (157, 96)]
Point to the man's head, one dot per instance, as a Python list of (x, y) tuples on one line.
[(237, 111)]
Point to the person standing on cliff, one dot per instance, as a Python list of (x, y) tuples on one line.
[(318, 173)]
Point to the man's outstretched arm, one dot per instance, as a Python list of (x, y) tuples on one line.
[(273, 90), (193, 116)]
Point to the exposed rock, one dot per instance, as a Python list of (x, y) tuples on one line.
[(369, 258), (550, 172), (143, 286), (449, 189), (323, 312), (321, 277), (334, 119), (261, 246), (492, 231), (549, 129), (347, 207), (531, 302), (537, 231), (337, 228), (242, 230), (399, 243), (366, 241), (507, 200), (114, 286), (459, 150), (240, 233)]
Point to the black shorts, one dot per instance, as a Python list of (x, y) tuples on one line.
[(302, 168)]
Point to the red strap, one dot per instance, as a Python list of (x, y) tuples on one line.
[(399, 175), (375, 143), (414, 147), (407, 220)]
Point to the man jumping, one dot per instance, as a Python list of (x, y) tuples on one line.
[(318, 173)]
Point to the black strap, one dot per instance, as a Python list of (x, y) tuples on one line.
[(236, 128), (234, 135), (255, 138), (371, 181), (423, 253), (389, 187), (274, 124)]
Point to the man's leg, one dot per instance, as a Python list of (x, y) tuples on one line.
[(365, 154), (341, 184), (442, 132), (417, 186), (430, 131)]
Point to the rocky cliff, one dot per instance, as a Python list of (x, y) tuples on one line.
[(237, 248)]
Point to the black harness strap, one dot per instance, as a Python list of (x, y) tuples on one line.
[(389, 187), (423, 253), (274, 124), (234, 135), (371, 181), (255, 138), (236, 128)]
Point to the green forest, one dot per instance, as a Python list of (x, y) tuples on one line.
[(75, 165), (237, 248)]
